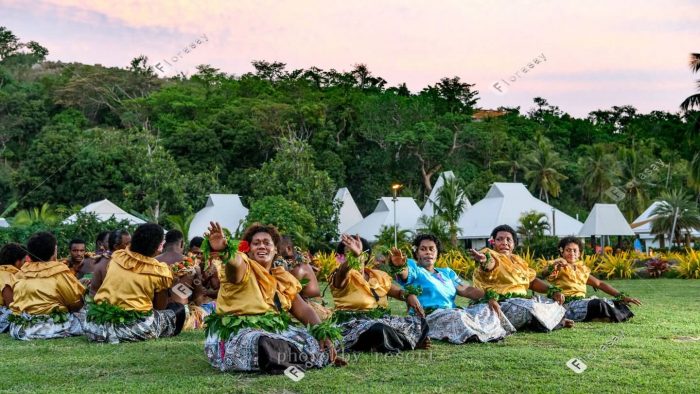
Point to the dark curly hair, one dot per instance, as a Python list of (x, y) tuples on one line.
[(505, 227), (569, 240), (41, 246), (11, 253), (261, 228), (426, 237), (146, 239)]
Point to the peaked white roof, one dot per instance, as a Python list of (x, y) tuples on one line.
[(104, 210), (226, 209), (504, 204), (349, 214), (605, 219), (4, 223), (429, 207), (642, 224), (407, 214)]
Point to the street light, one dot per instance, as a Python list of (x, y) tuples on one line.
[(395, 190)]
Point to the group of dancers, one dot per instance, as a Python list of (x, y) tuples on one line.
[(261, 305)]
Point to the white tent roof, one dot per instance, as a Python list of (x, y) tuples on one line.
[(104, 210), (429, 207), (504, 204), (226, 209), (642, 224), (349, 214), (407, 214), (605, 219), (3, 223)]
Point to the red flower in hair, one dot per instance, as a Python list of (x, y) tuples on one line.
[(244, 246)]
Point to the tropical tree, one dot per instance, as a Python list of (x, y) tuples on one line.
[(385, 239), (436, 226), (675, 206), (543, 170), (600, 170), (181, 223), (693, 100), (513, 160), (694, 175), (533, 224), (44, 215), (450, 204)]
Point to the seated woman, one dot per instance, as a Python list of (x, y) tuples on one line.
[(12, 258), (506, 277), (116, 240), (210, 273), (298, 265), (570, 274), (361, 306), (132, 303), (250, 330), (438, 288), (46, 294)]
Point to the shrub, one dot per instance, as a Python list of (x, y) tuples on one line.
[(657, 267), (458, 261), (616, 266), (689, 265)]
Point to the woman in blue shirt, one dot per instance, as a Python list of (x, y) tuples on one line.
[(438, 290)]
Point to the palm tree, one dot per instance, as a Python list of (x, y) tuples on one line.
[(181, 223), (694, 175), (385, 239), (513, 161), (533, 224), (693, 100), (600, 170), (675, 205), (636, 189), (543, 170), (44, 215), (436, 226), (450, 204)]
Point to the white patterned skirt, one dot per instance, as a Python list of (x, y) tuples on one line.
[(252, 349), (477, 323), (388, 334), (162, 323), (537, 313), (44, 327), (595, 308), (4, 323)]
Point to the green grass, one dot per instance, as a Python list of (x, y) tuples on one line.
[(642, 355)]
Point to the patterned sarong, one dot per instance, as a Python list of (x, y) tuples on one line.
[(407, 332), (242, 351), (43, 327), (162, 323), (477, 323), (537, 313), (595, 308)]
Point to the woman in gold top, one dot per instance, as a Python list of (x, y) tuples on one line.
[(506, 277), (572, 276), (132, 302), (250, 330), (12, 258), (46, 294), (362, 308)]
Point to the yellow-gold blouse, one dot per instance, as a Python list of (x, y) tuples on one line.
[(255, 294), (40, 288), (132, 280), (571, 279), (357, 294), (7, 278), (511, 274)]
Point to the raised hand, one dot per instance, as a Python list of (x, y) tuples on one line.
[(217, 240), (353, 244), (397, 257)]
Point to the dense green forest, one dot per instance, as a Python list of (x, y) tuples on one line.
[(72, 133)]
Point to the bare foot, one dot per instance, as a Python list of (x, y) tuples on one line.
[(340, 362), (568, 323), (425, 344)]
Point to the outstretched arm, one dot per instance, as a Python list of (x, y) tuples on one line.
[(599, 284)]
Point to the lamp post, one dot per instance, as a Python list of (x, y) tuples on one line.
[(673, 228), (395, 190), (554, 222)]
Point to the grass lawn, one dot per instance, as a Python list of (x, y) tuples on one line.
[(658, 350)]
